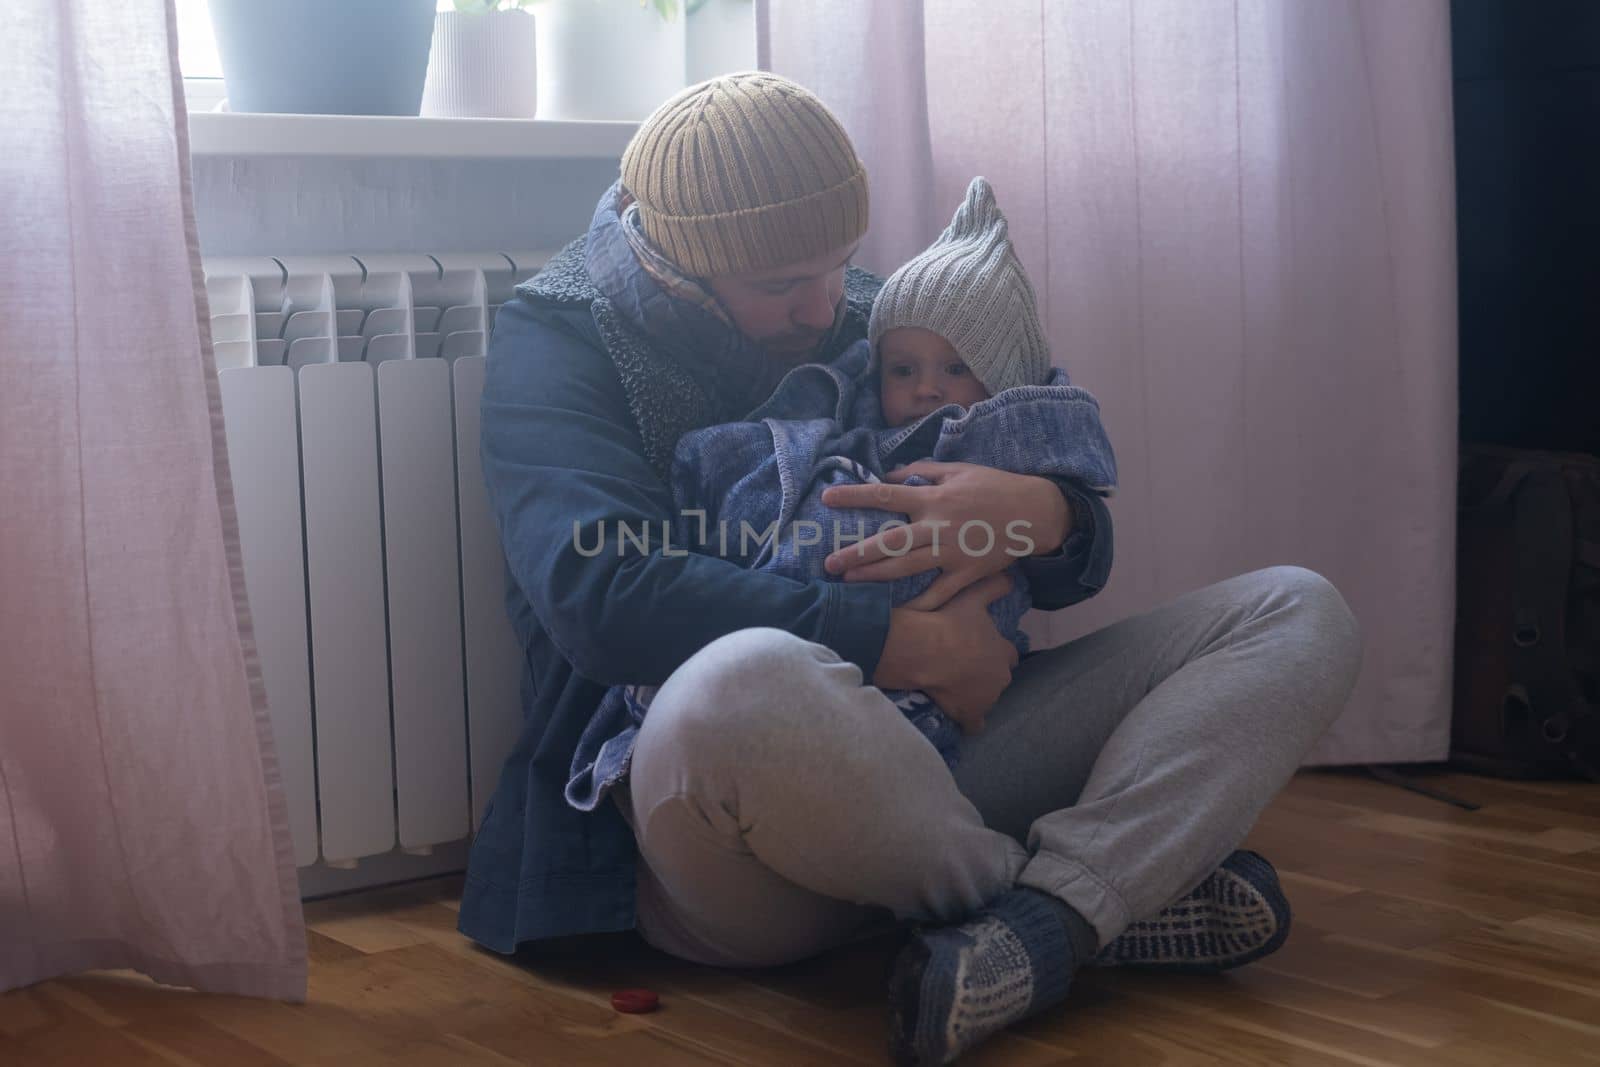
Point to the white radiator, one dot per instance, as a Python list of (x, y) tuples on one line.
[(350, 387)]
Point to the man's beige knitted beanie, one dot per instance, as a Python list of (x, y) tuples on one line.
[(745, 172), (970, 288)]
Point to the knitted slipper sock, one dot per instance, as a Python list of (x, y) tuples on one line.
[(953, 986), (1238, 914)]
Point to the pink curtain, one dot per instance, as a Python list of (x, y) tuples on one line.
[(1240, 218), (142, 823)]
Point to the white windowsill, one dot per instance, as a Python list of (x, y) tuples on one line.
[(216, 133)]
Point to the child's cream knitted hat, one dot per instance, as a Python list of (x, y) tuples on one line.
[(970, 288)]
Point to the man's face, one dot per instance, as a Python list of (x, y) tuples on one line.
[(787, 310)]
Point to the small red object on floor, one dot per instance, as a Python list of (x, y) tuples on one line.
[(635, 1001)]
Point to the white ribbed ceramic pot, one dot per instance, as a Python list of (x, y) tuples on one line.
[(482, 66)]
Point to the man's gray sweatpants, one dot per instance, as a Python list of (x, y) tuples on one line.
[(783, 807)]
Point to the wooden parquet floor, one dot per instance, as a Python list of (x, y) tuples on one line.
[(1424, 935)]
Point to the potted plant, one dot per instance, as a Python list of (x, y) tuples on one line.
[(353, 57), (484, 62), (609, 59)]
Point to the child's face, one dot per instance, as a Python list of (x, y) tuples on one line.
[(921, 372)]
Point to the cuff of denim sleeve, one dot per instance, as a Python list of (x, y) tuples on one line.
[(857, 622), (1082, 533)]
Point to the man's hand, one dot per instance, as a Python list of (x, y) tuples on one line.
[(1000, 511), (954, 654)]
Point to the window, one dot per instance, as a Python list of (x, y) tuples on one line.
[(725, 43), (197, 49)]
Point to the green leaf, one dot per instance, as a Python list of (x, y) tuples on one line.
[(475, 7)]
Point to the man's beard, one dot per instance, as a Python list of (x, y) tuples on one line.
[(803, 346), (795, 348)]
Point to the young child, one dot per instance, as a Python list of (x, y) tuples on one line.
[(955, 368), (959, 323)]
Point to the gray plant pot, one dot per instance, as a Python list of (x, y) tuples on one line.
[(324, 57)]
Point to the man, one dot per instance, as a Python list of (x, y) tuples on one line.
[(779, 803)]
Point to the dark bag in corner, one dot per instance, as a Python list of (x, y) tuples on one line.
[(1527, 671)]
